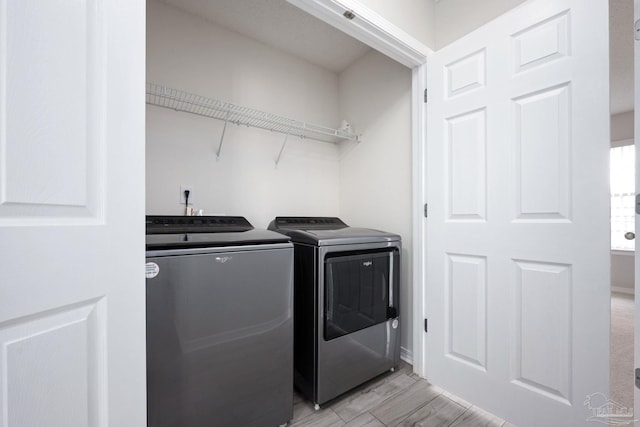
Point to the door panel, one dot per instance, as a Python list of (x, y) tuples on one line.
[(543, 329), (517, 237), (72, 340), (46, 63), (72, 213), (467, 145), (466, 324)]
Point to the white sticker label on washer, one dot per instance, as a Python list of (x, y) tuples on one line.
[(151, 270)]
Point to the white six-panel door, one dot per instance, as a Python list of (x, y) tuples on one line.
[(517, 293), (72, 297)]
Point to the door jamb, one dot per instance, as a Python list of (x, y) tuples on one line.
[(383, 36), (418, 181)]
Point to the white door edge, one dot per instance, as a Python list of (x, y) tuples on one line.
[(636, 77)]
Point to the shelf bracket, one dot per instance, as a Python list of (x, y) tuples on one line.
[(284, 143), (224, 128)]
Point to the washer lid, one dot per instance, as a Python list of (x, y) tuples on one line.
[(179, 232), (307, 223), (323, 231), (206, 240), (172, 224)]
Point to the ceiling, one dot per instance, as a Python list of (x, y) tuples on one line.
[(285, 27), (621, 55)]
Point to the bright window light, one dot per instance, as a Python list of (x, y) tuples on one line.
[(623, 174)]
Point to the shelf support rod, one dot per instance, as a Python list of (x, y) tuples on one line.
[(284, 143), (224, 128)]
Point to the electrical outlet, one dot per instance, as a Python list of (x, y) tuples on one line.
[(184, 187)]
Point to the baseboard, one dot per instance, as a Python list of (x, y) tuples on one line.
[(619, 289), (406, 355)]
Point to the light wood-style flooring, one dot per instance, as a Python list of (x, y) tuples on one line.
[(621, 342), (398, 398)]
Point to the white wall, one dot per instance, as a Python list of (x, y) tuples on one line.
[(436, 23), (415, 17), (621, 128), (622, 272), (189, 53), (375, 175), (455, 18), (622, 265)]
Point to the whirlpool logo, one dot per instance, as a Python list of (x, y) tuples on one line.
[(223, 259), (367, 263)]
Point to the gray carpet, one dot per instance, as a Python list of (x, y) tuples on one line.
[(622, 377)]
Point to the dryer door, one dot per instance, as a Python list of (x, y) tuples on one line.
[(358, 290), (358, 335)]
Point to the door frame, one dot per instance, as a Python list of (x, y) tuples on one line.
[(380, 34)]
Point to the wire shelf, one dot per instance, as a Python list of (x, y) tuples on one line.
[(178, 100)]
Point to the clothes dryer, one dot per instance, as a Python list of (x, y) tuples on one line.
[(346, 304)]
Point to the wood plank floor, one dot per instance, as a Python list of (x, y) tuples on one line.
[(400, 398)]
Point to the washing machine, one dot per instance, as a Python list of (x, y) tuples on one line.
[(219, 323)]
